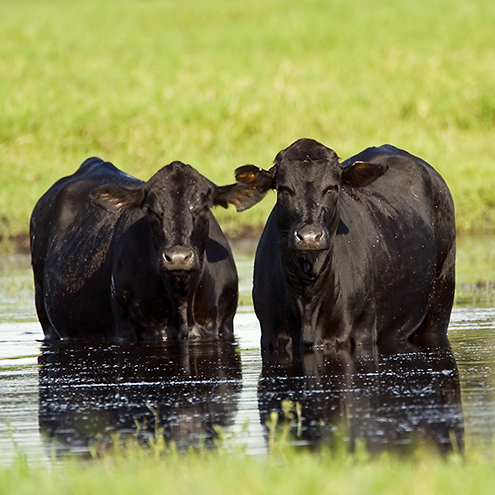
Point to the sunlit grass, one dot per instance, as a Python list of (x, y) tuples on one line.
[(285, 472), (221, 83), (126, 466)]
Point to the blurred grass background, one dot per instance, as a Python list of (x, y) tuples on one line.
[(221, 83)]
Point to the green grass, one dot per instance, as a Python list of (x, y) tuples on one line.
[(475, 271), (210, 473), (220, 83)]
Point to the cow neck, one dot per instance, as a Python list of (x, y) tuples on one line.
[(185, 317), (308, 297), (182, 322), (181, 295)]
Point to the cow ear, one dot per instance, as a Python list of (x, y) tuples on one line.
[(240, 195), (362, 173), (113, 198), (252, 185), (256, 177)]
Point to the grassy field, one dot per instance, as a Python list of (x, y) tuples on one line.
[(220, 83), (210, 474)]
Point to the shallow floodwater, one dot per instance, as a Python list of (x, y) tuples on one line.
[(64, 398)]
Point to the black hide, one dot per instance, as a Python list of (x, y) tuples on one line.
[(115, 258), (356, 253)]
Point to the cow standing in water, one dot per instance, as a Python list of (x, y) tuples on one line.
[(115, 258), (352, 254)]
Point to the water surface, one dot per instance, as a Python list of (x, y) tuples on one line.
[(63, 398)]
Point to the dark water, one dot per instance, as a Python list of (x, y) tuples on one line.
[(64, 398)]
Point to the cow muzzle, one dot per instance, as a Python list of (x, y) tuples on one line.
[(309, 238), (179, 258)]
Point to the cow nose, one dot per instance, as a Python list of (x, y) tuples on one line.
[(178, 258), (310, 238)]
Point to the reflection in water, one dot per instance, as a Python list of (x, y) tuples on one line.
[(471, 333), (389, 398), (89, 392)]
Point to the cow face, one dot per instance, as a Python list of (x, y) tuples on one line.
[(307, 181), (308, 178), (176, 202)]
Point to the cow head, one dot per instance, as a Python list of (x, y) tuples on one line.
[(308, 179), (176, 202)]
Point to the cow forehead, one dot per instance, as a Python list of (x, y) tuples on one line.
[(322, 172), (178, 182), (306, 149)]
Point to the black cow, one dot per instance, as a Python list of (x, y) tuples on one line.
[(353, 254), (115, 258)]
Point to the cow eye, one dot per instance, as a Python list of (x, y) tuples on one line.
[(153, 214), (331, 189), (199, 209), (285, 190)]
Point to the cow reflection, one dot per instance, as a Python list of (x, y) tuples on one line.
[(93, 392), (391, 399)]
